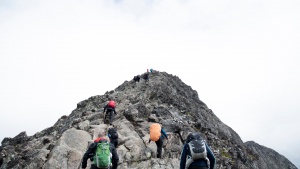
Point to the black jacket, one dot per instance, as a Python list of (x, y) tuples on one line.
[(109, 109), (91, 150)]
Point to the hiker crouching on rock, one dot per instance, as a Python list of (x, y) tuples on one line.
[(136, 78), (102, 153)]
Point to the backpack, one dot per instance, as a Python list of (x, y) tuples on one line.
[(155, 131), (112, 133), (103, 156), (111, 104), (198, 151)]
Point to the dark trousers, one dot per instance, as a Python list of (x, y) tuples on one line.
[(197, 167), (110, 114), (115, 142), (159, 144), (95, 167)]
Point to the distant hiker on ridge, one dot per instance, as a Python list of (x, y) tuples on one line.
[(110, 109), (146, 77), (136, 78)]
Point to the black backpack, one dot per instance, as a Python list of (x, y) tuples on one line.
[(112, 133)]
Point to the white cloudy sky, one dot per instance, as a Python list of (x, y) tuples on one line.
[(242, 57)]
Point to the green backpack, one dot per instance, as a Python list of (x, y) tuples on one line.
[(102, 157)]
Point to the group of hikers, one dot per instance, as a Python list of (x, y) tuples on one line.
[(195, 153), (145, 76)]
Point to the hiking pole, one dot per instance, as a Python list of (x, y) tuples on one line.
[(178, 132)]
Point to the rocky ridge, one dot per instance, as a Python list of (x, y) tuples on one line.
[(165, 99)]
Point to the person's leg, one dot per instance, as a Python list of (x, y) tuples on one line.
[(110, 117), (105, 115), (114, 142), (93, 166), (159, 144)]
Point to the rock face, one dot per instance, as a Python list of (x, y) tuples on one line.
[(275, 160), (165, 99)]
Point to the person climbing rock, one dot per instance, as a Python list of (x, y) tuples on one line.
[(102, 153), (136, 78), (196, 153), (113, 136), (157, 134), (110, 109), (146, 77)]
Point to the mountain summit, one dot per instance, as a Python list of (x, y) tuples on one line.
[(164, 99)]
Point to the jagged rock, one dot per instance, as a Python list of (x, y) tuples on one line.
[(275, 160), (164, 99), (69, 150), (84, 125), (20, 138), (152, 118)]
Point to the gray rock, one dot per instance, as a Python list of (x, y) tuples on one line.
[(69, 150)]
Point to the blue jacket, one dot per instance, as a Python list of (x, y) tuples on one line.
[(202, 163), (164, 134)]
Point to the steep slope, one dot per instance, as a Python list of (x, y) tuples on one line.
[(165, 99)]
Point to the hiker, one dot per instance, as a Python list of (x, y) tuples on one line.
[(157, 134), (110, 109), (151, 70), (136, 78), (196, 154), (146, 77), (102, 153), (113, 136)]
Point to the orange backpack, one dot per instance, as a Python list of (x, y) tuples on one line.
[(155, 131)]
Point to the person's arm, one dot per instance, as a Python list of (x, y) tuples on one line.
[(211, 157), (104, 108), (183, 157), (115, 157), (86, 155), (164, 133)]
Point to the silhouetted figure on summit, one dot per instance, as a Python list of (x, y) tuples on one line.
[(136, 78)]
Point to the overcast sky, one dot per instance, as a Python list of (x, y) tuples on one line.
[(242, 57)]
